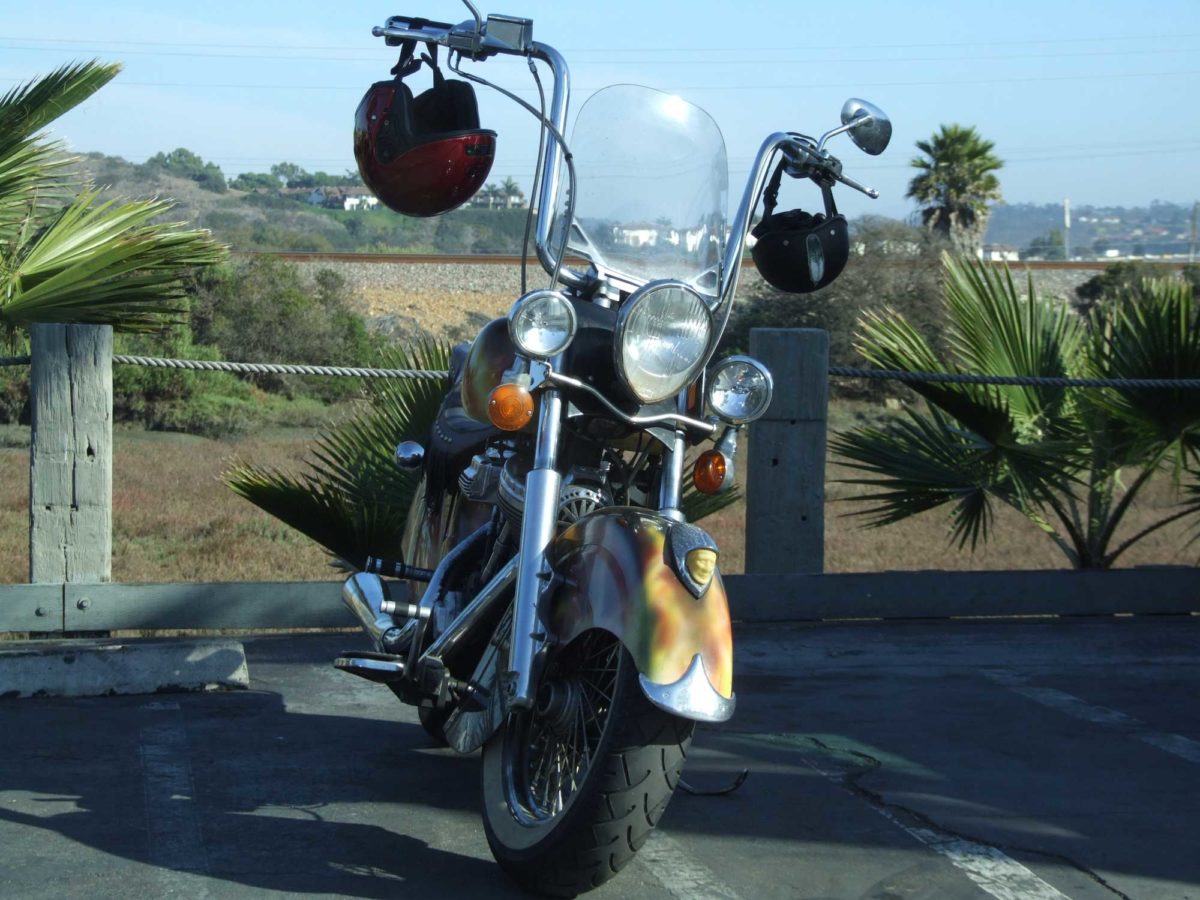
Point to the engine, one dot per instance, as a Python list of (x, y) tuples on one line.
[(497, 477)]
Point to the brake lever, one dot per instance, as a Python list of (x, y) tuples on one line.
[(806, 161)]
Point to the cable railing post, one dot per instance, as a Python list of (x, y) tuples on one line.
[(70, 454), (785, 475)]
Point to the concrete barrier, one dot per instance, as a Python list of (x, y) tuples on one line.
[(88, 668)]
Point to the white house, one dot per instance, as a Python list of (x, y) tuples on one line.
[(998, 253)]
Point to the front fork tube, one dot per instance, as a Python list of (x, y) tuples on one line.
[(670, 490), (537, 530)]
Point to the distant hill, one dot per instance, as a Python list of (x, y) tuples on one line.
[(269, 218), (1160, 229), (275, 219)]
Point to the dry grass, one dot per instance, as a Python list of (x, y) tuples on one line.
[(923, 541), (174, 521)]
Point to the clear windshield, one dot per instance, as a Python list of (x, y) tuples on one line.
[(653, 185)]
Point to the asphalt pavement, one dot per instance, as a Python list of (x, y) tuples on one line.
[(964, 760)]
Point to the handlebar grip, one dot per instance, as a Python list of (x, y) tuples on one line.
[(850, 182), (394, 568)]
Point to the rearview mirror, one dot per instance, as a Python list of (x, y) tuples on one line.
[(870, 128)]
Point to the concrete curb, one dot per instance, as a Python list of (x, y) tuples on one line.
[(91, 668)]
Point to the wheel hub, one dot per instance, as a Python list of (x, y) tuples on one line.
[(558, 703)]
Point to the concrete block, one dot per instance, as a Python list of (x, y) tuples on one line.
[(90, 668)]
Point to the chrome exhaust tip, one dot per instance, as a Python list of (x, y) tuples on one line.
[(365, 596)]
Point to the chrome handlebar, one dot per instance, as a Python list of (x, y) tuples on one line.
[(506, 35), (804, 160)]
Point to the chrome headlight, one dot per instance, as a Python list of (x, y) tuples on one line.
[(740, 389), (542, 324), (663, 331)]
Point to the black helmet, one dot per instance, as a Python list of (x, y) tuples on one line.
[(422, 156), (796, 251)]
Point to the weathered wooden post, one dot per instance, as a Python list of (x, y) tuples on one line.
[(785, 477), (70, 457)]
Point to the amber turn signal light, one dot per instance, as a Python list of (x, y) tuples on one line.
[(510, 407), (710, 472)]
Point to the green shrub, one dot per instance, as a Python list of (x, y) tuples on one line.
[(183, 163), (1125, 278), (262, 310), (174, 399), (14, 395)]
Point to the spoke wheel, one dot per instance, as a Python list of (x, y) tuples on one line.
[(549, 753), (573, 787)]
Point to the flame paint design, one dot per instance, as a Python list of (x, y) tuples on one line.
[(619, 578)]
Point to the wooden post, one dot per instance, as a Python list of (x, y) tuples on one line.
[(785, 477), (70, 457)]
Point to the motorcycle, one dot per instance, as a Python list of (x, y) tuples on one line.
[(552, 606)]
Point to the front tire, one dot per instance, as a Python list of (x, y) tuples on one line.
[(573, 788)]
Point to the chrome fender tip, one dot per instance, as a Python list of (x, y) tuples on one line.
[(692, 696)]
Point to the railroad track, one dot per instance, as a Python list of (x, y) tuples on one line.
[(394, 258)]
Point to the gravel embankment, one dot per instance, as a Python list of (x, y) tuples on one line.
[(452, 300)]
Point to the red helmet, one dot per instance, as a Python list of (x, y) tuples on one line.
[(422, 156)]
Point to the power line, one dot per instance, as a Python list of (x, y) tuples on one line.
[(987, 42), (372, 55), (762, 88), (1009, 159)]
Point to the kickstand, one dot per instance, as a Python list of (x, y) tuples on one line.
[(715, 792)]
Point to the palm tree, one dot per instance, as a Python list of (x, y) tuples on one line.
[(1057, 455), (64, 255), (490, 193), (512, 193), (955, 184)]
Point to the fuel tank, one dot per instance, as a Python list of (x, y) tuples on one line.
[(492, 354)]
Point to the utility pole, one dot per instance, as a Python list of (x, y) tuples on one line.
[(1067, 229), (1192, 246)]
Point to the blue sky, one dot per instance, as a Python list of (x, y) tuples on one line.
[(1096, 101)]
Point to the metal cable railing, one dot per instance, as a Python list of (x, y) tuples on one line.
[(1019, 380), (212, 365)]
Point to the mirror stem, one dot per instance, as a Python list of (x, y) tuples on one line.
[(842, 129), (475, 13)]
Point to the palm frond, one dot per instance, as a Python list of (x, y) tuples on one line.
[(888, 341), (33, 171), (915, 464), (314, 509), (352, 500), (994, 330), (101, 264), (1154, 332), (32, 183), (696, 506), (29, 107), (924, 461), (1190, 501)]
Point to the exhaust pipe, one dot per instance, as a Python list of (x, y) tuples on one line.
[(367, 597)]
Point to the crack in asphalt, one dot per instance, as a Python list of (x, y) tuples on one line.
[(851, 781)]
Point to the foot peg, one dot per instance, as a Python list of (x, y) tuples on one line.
[(383, 668)]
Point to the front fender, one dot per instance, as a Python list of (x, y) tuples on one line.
[(615, 572)]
